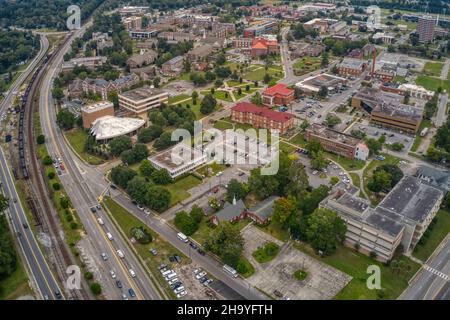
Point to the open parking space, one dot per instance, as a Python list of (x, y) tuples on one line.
[(391, 135), (276, 279), (316, 177), (178, 87)]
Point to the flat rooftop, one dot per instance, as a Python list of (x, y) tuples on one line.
[(327, 133), (324, 79), (141, 93), (411, 199), (176, 157), (97, 106), (400, 110), (351, 63)]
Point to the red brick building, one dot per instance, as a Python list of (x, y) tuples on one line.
[(262, 117), (278, 94), (264, 47)]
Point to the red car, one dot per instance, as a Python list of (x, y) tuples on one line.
[(62, 166)]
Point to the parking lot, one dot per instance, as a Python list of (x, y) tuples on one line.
[(178, 87), (391, 135), (275, 277)]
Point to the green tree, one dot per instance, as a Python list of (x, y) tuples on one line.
[(158, 198), (298, 180), (65, 119), (284, 209), (161, 177), (164, 141), (257, 99), (185, 223), (197, 213), (325, 230), (332, 120), (40, 139), (137, 189), (140, 152), (323, 92), (380, 180), (208, 104), (226, 241), (194, 97), (96, 288), (128, 157), (120, 175), (373, 145), (235, 190), (119, 145), (146, 168), (325, 60), (149, 134)]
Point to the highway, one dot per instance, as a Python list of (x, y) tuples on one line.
[(79, 189), (43, 278), (432, 281), (14, 89)]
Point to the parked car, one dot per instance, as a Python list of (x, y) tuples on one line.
[(181, 294), (200, 275)]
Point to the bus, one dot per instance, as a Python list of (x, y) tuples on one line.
[(182, 237), (230, 271)]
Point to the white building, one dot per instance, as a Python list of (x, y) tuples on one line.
[(140, 100), (109, 127)]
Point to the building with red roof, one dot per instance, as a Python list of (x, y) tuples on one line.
[(278, 94), (263, 47), (262, 117)]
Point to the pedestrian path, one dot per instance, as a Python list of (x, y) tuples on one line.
[(437, 272)]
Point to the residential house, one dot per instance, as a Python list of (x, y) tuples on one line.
[(200, 53), (143, 59), (173, 67)]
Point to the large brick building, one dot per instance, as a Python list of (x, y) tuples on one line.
[(337, 142), (278, 94), (352, 67), (387, 109), (92, 112), (262, 117), (263, 47)]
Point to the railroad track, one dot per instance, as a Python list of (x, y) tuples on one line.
[(43, 211)]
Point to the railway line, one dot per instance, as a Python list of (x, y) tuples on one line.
[(45, 215)]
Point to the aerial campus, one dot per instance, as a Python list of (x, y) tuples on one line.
[(241, 150)]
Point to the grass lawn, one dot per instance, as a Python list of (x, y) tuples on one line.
[(250, 270), (223, 125), (432, 84), (213, 168), (437, 234), (374, 197), (266, 253), (347, 164), (300, 274), (257, 72), (418, 139), (306, 65), (126, 221), (299, 140), (178, 189), (433, 68), (275, 230), (286, 147), (16, 284), (178, 98), (222, 95), (77, 137), (400, 79), (355, 264), (356, 180), (204, 229)]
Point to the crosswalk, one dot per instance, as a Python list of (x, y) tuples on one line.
[(437, 272)]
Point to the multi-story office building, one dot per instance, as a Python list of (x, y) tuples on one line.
[(401, 218), (425, 28), (140, 100), (278, 94)]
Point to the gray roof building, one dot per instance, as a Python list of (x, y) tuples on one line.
[(231, 211), (264, 209), (434, 177)]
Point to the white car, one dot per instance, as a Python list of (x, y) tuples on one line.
[(179, 289), (146, 211), (182, 294), (104, 256), (113, 274), (120, 254), (200, 275), (197, 270), (175, 280)]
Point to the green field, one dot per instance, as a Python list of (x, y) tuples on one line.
[(126, 221), (77, 138), (355, 264), (432, 84), (418, 139), (179, 188), (213, 168), (257, 72), (437, 234), (266, 253), (275, 230), (347, 164), (356, 180), (307, 65), (433, 68), (298, 140)]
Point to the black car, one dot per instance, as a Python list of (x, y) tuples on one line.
[(171, 259), (113, 186), (177, 258), (193, 245), (200, 251), (203, 279), (119, 284), (176, 285), (58, 295), (25, 226), (131, 293), (93, 210)]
